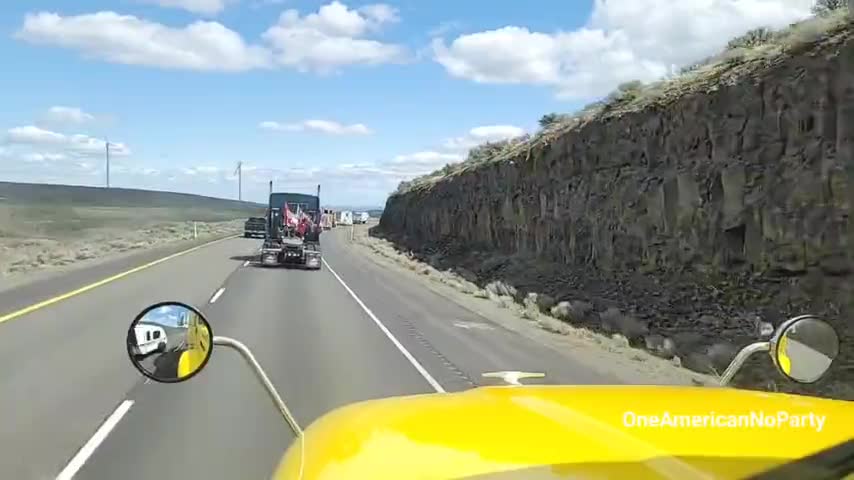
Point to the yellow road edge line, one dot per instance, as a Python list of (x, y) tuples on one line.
[(65, 296)]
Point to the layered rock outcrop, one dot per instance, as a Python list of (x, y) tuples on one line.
[(698, 215)]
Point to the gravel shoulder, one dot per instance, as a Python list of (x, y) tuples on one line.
[(611, 355)]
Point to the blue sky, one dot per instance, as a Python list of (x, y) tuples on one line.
[(356, 96), (166, 315)]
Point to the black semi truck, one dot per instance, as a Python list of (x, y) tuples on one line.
[(287, 243)]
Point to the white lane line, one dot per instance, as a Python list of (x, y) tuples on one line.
[(217, 295), (84, 453), (424, 373)]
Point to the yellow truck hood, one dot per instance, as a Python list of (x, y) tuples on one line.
[(545, 432)]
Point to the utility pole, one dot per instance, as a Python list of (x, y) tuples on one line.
[(239, 173), (107, 144), (271, 187)]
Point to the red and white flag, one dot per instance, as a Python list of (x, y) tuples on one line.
[(290, 219)]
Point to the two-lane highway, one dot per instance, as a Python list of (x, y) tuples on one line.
[(73, 403)]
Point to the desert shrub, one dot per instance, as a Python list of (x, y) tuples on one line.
[(753, 38), (825, 7), (550, 119)]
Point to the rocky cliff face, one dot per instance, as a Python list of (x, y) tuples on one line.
[(697, 215)]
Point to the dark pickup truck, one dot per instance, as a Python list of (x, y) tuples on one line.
[(255, 227)]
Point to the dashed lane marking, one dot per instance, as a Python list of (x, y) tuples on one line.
[(100, 435), (217, 295)]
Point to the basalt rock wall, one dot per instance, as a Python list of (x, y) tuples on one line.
[(744, 192)]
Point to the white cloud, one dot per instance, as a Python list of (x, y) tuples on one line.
[(453, 150), (37, 157), (623, 40), (428, 157), (479, 135), (35, 163), (78, 145), (125, 39), (203, 170), (380, 13), (415, 164), (35, 136), (407, 166), (88, 167), (333, 37), (205, 7), (68, 115), (366, 181), (321, 126)]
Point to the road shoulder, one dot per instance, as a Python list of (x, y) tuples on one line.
[(611, 356)]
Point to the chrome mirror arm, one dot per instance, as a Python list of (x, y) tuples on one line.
[(259, 372), (770, 346), (740, 358)]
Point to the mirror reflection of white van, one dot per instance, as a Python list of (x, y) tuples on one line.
[(149, 338)]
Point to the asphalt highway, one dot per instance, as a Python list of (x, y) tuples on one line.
[(72, 404)]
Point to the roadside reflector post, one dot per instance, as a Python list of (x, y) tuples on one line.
[(195, 231)]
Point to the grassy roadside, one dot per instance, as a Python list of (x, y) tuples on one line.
[(22, 256), (52, 228)]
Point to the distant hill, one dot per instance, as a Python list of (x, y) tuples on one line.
[(79, 196), (369, 209)]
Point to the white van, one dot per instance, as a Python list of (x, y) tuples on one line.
[(346, 218), (364, 217), (149, 338)]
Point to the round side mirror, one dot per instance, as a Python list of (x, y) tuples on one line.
[(804, 348), (169, 342)]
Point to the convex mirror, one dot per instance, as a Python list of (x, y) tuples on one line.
[(169, 342)]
